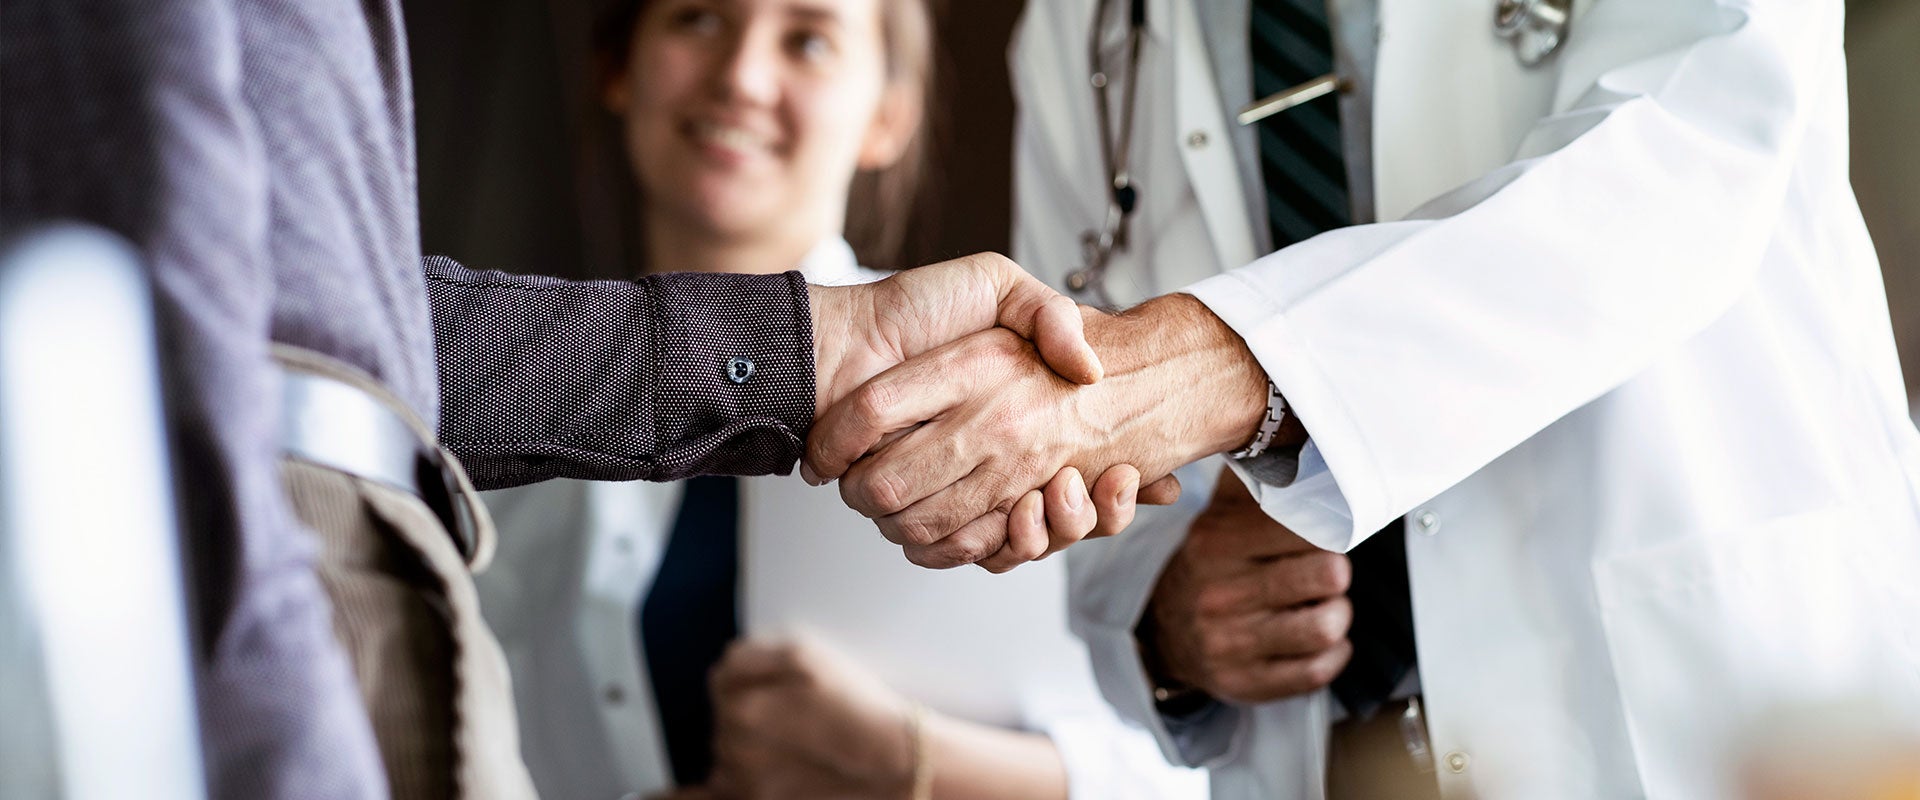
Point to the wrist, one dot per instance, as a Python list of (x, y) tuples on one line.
[(830, 307), (1173, 695), (1171, 360)]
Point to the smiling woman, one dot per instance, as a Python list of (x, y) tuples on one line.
[(744, 119)]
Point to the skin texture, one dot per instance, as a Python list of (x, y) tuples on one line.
[(978, 423), (1246, 610), (984, 312)]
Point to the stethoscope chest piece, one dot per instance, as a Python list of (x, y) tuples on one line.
[(1537, 27)]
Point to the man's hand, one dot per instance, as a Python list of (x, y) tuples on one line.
[(1246, 610), (794, 719), (1179, 385), (860, 331)]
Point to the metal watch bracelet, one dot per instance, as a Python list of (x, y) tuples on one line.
[(1269, 426)]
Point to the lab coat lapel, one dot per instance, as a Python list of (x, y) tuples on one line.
[(1206, 146), (1451, 103)]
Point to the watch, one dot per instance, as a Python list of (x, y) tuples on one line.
[(1269, 426)]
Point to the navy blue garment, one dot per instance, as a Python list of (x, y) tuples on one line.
[(1303, 167), (689, 617)]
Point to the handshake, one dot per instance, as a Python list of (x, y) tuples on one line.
[(965, 406)]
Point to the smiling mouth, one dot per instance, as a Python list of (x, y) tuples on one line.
[(731, 137)]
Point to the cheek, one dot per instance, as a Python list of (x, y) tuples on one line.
[(831, 125)]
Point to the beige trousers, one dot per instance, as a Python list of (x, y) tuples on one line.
[(431, 674)]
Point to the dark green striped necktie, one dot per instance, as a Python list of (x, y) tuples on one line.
[(1300, 150), (1305, 173)]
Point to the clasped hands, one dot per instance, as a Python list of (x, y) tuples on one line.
[(963, 407)]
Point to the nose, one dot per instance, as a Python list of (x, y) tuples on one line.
[(749, 69)]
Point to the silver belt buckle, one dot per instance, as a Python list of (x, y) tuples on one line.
[(339, 426), (1413, 733)]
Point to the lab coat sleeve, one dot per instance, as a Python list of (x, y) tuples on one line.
[(1418, 351), (1110, 582)]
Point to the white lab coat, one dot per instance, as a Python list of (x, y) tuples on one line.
[(576, 557), (1621, 354)]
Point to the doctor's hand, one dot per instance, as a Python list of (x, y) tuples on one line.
[(860, 331), (981, 423), (796, 719), (1247, 611)]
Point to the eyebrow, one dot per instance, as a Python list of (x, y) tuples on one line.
[(808, 12)]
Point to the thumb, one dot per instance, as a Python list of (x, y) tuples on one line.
[(1045, 317)]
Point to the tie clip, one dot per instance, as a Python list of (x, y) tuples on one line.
[(1288, 98)]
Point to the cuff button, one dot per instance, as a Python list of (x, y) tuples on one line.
[(739, 370)]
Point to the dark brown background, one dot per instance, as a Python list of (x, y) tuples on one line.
[(519, 169)]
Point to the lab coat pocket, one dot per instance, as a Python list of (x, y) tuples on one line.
[(1713, 632)]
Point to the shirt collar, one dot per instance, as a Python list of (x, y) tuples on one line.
[(831, 263)]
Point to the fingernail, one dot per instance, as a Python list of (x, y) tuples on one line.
[(807, 474), (1076, 491)]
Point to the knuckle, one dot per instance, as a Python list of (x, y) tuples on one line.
[(1341, 574), (1215, 598), (915, 530), (1321, 671), (1325, 630), (1217, 645), (995, 261), (873, 402), (885, 492)]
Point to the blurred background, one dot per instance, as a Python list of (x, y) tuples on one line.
[(520, 169)]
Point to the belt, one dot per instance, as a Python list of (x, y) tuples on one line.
[(335, 424)]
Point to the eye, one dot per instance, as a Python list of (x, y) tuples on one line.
[(697, 20), (811, 46)]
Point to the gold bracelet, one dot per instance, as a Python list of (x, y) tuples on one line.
[(922, 787)]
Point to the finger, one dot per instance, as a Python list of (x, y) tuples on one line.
[(1282, 583), (1302, 630), (1043, 316), (1281, 678), (932, 457), (1113, 497), (750, 662), (1027, 536), (894, 400), (974, 541), (1163, 492), (996, 483), (1070, 514)]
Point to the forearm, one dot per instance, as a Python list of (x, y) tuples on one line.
[(1181, 385), (980, 762), (621, 380)]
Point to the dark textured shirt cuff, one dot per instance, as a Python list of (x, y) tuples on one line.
[(736, 371)]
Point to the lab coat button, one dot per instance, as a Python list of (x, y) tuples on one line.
[(615, 695), (1197, 139), (1426, 521), (1456, 762)]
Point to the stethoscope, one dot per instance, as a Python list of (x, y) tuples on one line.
[(1537, 29)]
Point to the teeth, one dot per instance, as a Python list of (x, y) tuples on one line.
[(728, 136)]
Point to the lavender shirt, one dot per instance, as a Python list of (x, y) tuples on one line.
[(260, 155)]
